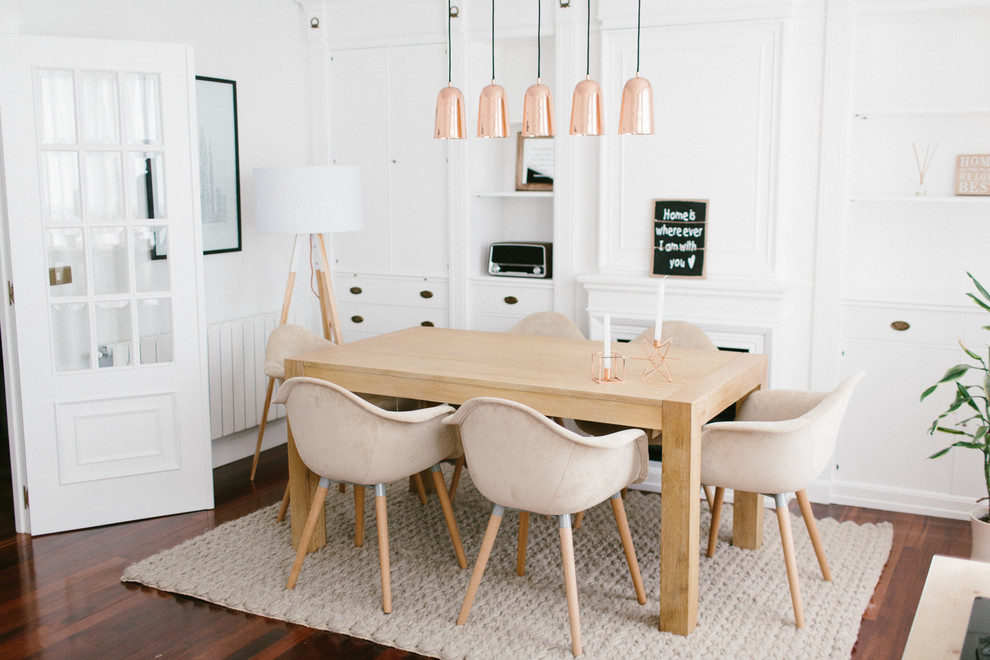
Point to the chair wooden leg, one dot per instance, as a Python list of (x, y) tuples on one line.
[(455, 478), (358, 516), (523, 542), (578, 519), (479, 566), (787, 541), (709, 496), (284, 507), (570, 583), (816, 540), (716, 518), (417, 480), (315, 511), (619, 510), (261, 427), (448, 514), (341, 487), (381, 516)]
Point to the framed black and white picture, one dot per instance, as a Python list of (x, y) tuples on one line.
[(534, 163), (219, 179)]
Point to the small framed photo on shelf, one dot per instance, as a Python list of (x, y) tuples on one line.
[(973, 174), (534, 163)]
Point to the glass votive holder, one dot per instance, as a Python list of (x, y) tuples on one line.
[(609, 368)]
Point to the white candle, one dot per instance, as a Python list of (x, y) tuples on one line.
[(606, 350), (659, 324)]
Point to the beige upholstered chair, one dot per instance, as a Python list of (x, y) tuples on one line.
[(543, 324), (522, 460), (547, 324), (283, 342), (343, 438), (288, 340), (779, 443)]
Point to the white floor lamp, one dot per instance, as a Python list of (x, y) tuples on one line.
[(311, 201), (307, 201)]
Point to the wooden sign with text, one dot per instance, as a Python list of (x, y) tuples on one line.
[(973, 174), (679, 237)]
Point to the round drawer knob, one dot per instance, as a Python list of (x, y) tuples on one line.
[(511, 300), (357, 319), (425, 294), (900, 326), (427, 324), (356, 290)]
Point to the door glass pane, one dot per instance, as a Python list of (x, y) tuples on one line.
[(150, 259), (56, 107), (142, 116), (148, 185), (113, 333), (104, 192), (155, 330), (60, 198), (70, 336), (66, 262), (99, 107), (109, 248)]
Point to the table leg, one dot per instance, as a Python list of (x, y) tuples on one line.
[(747, 512), (680, 514), (302, 487), (747, 520)]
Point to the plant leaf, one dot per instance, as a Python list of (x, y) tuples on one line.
[(979, 287)]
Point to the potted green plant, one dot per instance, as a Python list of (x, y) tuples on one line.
[(970, 421)]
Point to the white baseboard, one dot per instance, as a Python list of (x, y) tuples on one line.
[(925, 503), (236, 446)]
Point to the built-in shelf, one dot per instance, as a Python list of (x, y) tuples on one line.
[(516, 193), (937, 199), (934, 112)]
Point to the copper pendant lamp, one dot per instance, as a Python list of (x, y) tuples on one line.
[(586, 106), (450, 121), (537, 104), (636, 113), (492, 117)]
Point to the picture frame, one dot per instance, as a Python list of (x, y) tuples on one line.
[(680, 236), (972, 175), (219, 170), (159, 245), (534, 163)]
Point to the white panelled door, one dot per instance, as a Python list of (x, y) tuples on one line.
[(106, 331)]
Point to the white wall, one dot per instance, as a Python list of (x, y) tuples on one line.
[(260, 44)]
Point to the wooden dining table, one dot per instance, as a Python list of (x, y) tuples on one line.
[(554, 376)]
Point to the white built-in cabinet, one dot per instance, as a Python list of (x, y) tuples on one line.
[(393, 274), (906, 249)]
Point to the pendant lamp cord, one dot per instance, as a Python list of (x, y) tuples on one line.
[(493, 42), (450, 77), (539, 16), (587, 51), (639, 15)]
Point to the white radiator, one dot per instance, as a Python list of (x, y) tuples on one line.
[(236, 351)]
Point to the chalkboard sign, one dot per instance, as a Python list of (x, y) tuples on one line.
[(679, 233)]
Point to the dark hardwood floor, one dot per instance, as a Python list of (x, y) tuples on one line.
[(61, 595)]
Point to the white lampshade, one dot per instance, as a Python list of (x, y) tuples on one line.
[(317, 199)]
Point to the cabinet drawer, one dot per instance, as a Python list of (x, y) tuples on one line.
[(354, 288), (913, 325), (365, 320), (516, 301)]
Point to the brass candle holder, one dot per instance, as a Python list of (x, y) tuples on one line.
[(656, 358), (609, 368)]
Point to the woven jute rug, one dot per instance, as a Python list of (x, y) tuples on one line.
[(744, 606)]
